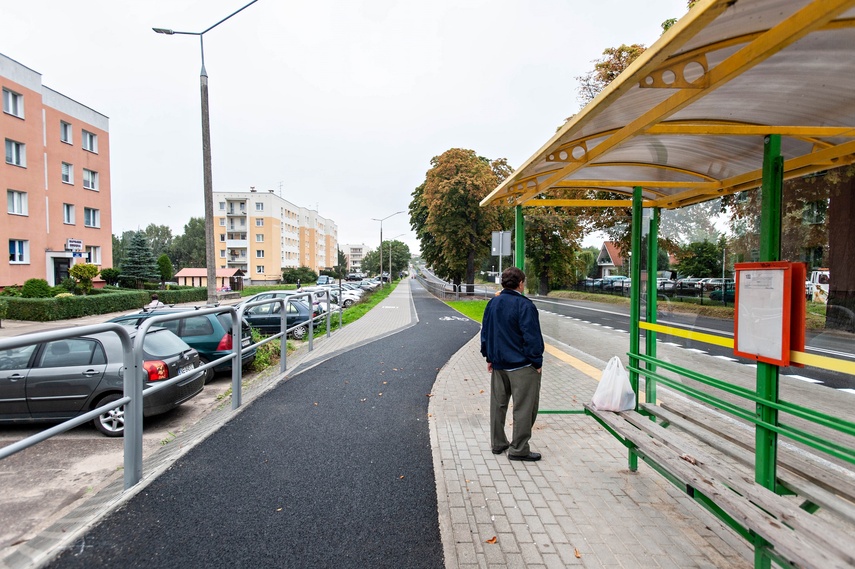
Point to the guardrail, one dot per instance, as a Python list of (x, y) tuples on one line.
[(450, 291), (134, 374)]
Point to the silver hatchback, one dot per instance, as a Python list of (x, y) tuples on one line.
[(61, 379)]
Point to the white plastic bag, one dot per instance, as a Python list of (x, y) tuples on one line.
[(614, 392)]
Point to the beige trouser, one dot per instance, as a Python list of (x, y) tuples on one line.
[(524, 385)]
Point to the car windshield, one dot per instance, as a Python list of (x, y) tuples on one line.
[(163, 343)]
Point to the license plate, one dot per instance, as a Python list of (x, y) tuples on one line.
[(244, 342), (185, 369)]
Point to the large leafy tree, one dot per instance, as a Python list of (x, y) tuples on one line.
[(400, 258), (446, 215), (552, 237), (159, 238), (188, 250), (700, 259), (139, 264), (606, 69)]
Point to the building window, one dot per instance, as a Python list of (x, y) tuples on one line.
[(94, 254), (67, 173), (259, 206), (259, 238), (259, 269), (90, 179), (222, 222), (259, 223), (222, 253), (91, 217), (90, 141), (16, 153), (222, 237), (17, 202), (19, 251), (259, 253), (13, 103), (65, 132), (222, 206), (814, 212), (68, 213)]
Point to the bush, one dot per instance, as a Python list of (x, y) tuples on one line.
[(36, 288), (68, 284), (4, 308), (110, 276)]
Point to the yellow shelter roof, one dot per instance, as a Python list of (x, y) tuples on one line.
[(687, 119)]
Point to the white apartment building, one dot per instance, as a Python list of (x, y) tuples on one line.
[(262, 233), (354, 255)]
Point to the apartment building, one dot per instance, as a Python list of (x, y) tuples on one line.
[(56, 177), (262, 233), (354, 255)]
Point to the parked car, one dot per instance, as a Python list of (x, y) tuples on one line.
[(208, 334), (369, 284), (343, 297), (666, 285), (614, 282), (355, 276), (61, 379), (716, 284), (325, 279), (267, 318), (687, 285), (729, 294)]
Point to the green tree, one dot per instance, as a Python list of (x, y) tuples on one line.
[(120, 245), (552, 237), (36, 288), (699, 259), (606, 69), (188, 249), (139, 265), (159, 239), (110, 276), (83, 273), (446, 207), (304, 274), (400, 259), (370, 262), (165, 268)]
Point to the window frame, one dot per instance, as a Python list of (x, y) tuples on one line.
[(92, 180), (66, 132), (259, 269), (89, 141), (21, 153), (259, 206), (95, 220), (24, 252), (68, 214), (94, 252), (13, 103), (259, 253), (259, 238), (259, 222), (70, 172), (21, 202)]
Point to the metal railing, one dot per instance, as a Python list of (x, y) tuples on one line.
[(450, 291), (134, 375)]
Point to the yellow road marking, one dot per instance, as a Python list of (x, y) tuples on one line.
[(587, 369)]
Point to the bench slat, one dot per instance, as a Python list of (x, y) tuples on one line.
[(791, 475), (805, 547)]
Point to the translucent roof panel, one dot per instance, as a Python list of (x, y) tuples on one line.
[(686, 121)]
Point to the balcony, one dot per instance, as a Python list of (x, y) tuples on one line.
[(237, 243)]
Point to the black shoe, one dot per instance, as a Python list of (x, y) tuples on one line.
[(501, 450), (530, 457)]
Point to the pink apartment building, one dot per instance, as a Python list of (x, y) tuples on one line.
[(56, 178)]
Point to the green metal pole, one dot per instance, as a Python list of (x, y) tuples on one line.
[(519, 236), (635, 302), (766, 451), (652, 301)]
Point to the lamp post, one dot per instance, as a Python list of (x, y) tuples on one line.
[(381, 241), (210, 257)]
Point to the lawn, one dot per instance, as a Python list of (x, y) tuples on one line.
[(474, 309)]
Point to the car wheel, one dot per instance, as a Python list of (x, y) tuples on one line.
[(348, 303), (209, 373), (299, 332), (111, 423)]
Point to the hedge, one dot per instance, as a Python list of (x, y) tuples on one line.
[(117, 300)]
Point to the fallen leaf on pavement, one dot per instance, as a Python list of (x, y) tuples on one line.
[(492, 540), (316, 403), (578, 555), (482, 391)]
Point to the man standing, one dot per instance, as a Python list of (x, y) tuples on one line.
[(512, 343)]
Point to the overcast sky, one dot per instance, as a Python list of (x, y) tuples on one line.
[(338, 106)]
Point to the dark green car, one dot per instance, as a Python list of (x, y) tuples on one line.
[(208, 334)]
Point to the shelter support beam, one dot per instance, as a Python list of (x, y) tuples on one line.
[(652, 291), (519, 238), (635, 301)]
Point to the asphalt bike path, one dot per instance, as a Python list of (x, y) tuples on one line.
[(332, 468)]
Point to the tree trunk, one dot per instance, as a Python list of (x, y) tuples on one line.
[(470, 272), (840, 311)]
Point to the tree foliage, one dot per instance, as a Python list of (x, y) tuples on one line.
[(110, 276), (84, 273), (606, 69), (552, 237), (400, 259), (305, 275), (188, 249), (139, 263), (159, 239), (453, 229), (165, 268), (700, 259)]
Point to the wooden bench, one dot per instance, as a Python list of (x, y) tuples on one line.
[(788, 533)]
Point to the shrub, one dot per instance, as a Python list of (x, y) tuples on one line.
[(4, 308), (36, 288), (110, 276), (84, 273), (68, 284)]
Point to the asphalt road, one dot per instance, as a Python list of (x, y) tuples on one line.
[(332, 468)]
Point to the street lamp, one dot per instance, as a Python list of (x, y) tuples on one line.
[(381, 242), (211, 261)]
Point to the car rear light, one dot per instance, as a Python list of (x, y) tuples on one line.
[(156, 369), (225, 343)]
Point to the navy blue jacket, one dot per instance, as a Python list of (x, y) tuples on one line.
[(510, 332)]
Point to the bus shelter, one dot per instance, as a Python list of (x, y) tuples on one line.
[(736, 96)]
